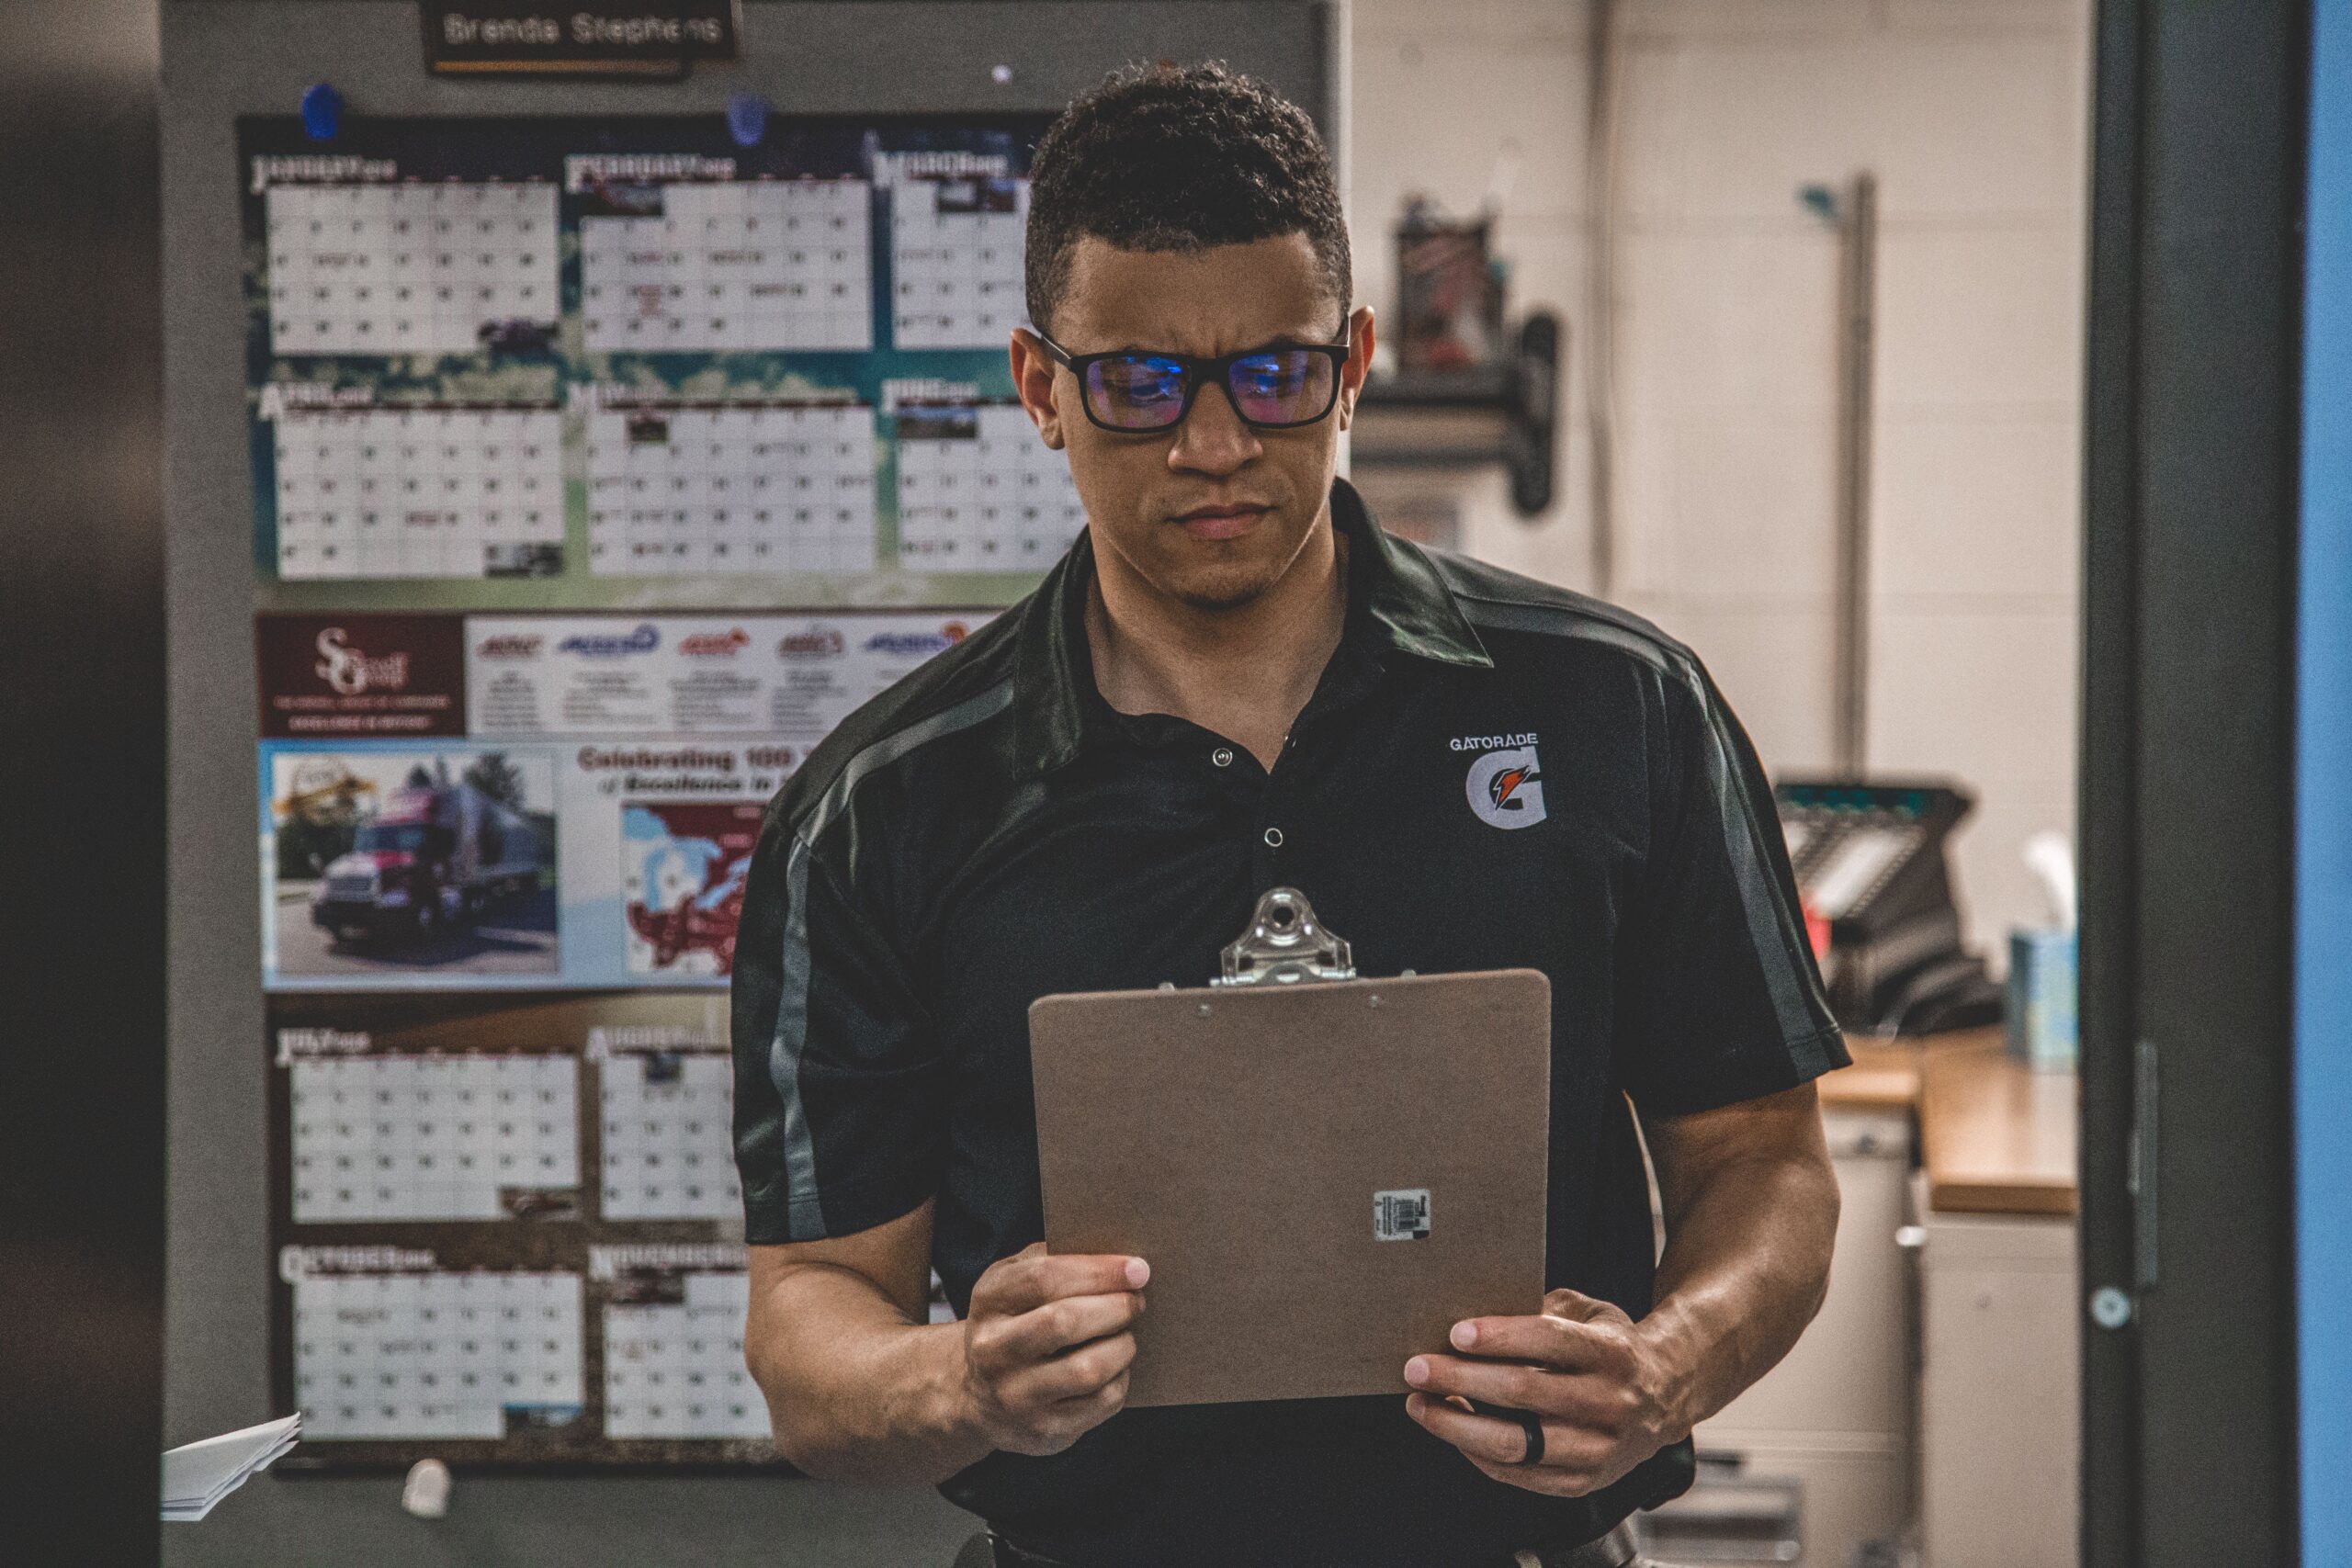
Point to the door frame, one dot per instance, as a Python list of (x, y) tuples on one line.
[(2192, 427)]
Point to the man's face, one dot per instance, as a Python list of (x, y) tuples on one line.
[(1211, 512)]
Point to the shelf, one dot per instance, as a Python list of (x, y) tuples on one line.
[(1505, 413)]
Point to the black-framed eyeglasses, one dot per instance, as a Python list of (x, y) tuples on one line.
[(1135, 391)]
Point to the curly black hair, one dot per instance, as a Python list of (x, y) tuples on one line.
[(1167, 158)]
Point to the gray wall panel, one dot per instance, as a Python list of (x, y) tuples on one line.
[(223, 58)]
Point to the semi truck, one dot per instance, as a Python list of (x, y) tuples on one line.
[(431, 859)]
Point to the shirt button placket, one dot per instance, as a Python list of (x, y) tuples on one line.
[(1271, 808)]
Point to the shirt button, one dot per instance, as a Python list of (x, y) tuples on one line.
[(1274, 838), (1222, 756)]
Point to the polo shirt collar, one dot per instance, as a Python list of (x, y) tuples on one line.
[(1396, 600)]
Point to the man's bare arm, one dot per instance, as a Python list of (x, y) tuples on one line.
[(861, 1387), (1751, 1217)]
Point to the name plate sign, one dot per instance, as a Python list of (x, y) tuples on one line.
[(583, 38)]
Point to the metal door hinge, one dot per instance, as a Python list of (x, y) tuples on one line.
[(2111, 1306), (2143, 1166)]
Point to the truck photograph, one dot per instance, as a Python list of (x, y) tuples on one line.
[(408, 862), (431, 857)]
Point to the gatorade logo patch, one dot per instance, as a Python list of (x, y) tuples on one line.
[(1506, 788)]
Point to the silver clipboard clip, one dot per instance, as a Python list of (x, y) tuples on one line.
[(1285, 945)]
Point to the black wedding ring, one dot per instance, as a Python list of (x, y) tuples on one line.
[(1529, 1422), (1533, 1425)]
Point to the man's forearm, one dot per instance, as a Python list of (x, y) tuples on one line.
[(1747, 1263), (859, 1391)]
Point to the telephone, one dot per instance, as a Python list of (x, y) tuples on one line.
[(1871, 869)]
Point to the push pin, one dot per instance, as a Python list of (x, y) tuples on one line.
[(322, 111), (425, 1492), (747, 119)]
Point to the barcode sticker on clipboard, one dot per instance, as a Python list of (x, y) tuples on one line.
[(1401, 1215)]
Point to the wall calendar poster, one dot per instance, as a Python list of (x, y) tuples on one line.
[(600, 468), (546, 363)]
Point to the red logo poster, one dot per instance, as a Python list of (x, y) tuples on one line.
[(342, 677)]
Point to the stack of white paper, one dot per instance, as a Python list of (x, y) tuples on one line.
[(198, 1475)]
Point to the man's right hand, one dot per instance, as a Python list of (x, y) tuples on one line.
[(1048, 1343)]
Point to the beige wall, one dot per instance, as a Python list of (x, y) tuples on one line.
[(1973, 114)]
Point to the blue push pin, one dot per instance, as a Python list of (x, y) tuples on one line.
[(322, 111), (747, 119)]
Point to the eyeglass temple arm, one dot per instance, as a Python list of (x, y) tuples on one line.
[(1053, 350)]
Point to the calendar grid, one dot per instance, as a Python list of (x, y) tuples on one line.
[(418, 491), (979, 491), (667, 1149), (436, 1354), (409, 267), (955, 262), (734, 266), (676, 1369), (731, 489), (441, 1138)]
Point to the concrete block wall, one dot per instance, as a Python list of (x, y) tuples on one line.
[(1974, 116)]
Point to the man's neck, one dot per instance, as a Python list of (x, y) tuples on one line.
[(1243, 673)]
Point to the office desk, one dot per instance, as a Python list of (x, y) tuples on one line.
[(1995, 1136), (1998, 1137), (1999, 1428)]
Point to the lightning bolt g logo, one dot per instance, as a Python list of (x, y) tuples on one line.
[(1505, 788)]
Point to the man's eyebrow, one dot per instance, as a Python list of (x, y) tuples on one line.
[(1280, 340)]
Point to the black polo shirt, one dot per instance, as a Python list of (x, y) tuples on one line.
[(1492, 772)]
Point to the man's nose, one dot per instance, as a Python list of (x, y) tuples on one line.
[(1213, 439)]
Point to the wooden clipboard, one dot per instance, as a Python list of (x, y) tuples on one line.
[(1324, 1172)]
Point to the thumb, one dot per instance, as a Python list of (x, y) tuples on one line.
[(1035, 1249), (1577, 1307)]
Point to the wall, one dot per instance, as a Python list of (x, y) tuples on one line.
[(1973, 114)]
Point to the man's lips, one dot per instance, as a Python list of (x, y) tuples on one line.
[(1221, 522)]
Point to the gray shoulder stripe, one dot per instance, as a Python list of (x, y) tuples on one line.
[(804, 1216), (972, 710), (1771, 928), (1562, 621)]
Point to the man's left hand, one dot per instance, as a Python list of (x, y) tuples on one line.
[(1605, 1391)]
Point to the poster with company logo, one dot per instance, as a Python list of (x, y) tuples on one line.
[(539, 363), (461, 802)]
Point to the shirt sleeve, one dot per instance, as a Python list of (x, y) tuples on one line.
[(839, 1097), (1718, 995)]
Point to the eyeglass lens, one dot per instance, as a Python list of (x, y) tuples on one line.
[(1144, 391)]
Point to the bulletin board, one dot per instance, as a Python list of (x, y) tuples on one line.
[(503, 377), (551, 469)]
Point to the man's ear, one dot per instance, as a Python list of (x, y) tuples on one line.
[(1033, 378), (1359, 365)]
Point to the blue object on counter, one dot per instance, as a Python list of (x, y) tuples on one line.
[(2041, 998)]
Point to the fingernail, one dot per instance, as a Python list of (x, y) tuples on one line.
[(1464, 1335), (1138, 1273), (1417, 1371)]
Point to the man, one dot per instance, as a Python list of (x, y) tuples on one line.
[(1236, 681)]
